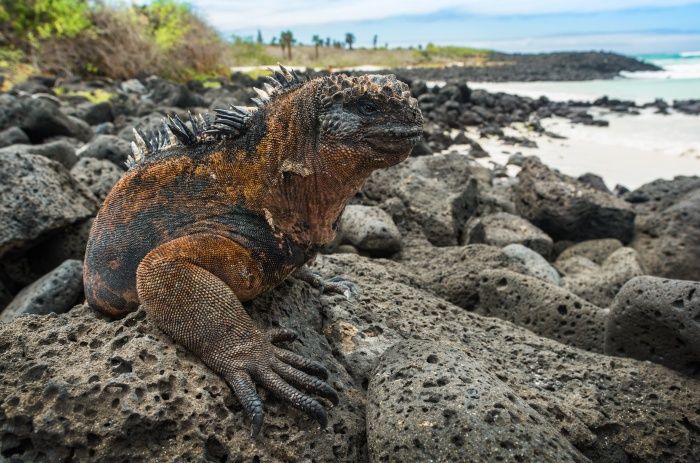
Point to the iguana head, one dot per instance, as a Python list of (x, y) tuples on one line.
[(373, 117)]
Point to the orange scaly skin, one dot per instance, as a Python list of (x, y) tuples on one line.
[(197, 227)]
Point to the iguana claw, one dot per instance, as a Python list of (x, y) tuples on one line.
[(336, 284)]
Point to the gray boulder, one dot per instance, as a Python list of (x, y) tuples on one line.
[(60, 151), (439, 193), (433, 401), (99, 175), (594, 181), (595, 250), (56, 291), (533, 264), (145, 124), (108, 147), (501, 229), (545, 309), (567, 209), (11, 136), (98, 113), (168, 93), (370, 229), (598, 284), (41, 118), (668, 228), (659, 320), (26, 265), (453, 272), (38, 196)]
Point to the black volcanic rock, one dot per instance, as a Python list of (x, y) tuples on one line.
[(568, 209)]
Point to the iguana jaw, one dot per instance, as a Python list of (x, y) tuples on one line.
[(394, 139)]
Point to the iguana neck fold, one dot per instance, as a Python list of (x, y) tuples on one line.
[(314, 180)]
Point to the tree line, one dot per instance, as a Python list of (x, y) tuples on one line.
[(286, 40)]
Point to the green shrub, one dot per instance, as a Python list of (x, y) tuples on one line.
[(28, 22), (80, 37), (432, 51)]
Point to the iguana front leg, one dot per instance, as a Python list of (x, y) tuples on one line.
[(191, 288)]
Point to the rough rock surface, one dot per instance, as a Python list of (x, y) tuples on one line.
[(594, 181), (79, 386), (595, 250), (38, 196), (432, 401), (568, 209), (98, 113), (533, 263), (26, 265), (143, 398), (545, 309), (57, 291), (501, 229), (592, 399), (668, 227), (60, 151), (99, 175), (599, 284), (108, 147), (12, 135), (41, 118), (453, 272), (438, 192), (659, 320), (370, 229)]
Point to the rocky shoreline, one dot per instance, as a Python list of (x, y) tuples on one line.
[(515, 67), (535, 317)]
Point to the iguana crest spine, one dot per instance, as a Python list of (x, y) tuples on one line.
[(228, 123)]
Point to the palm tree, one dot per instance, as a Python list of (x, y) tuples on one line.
[(282, 42), (350, 39), (286, 40), (318, 41), (374, 41)]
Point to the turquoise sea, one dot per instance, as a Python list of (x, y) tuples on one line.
[(679, 80)]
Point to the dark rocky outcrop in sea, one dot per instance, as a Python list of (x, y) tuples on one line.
[(558, 66), (535, 318)]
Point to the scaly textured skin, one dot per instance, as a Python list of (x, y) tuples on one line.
[(195, 228)]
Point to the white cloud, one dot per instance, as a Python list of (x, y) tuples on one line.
[(247, 14)]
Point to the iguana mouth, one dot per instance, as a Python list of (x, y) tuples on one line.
[(394, 139)]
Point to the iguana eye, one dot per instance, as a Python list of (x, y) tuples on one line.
[(367, 107)]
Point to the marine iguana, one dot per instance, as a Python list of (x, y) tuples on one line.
[(212, 213)]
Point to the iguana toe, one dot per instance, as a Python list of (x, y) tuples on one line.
[(281, 335), (305, 381), (340, 285), (244, 388), (283, 390), (301, 363), (337, 284)]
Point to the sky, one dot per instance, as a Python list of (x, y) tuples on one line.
[(626, 26)]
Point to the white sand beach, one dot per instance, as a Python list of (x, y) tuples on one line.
[(632, 151)]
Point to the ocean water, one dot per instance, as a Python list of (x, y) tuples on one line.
[(679, 80)]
